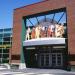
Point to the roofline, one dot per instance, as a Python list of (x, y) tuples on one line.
[(31, 4)]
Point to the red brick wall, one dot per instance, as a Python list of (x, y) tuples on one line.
[(38, 8), (71, 26)]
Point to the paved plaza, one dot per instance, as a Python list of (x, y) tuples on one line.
[(30, 71)]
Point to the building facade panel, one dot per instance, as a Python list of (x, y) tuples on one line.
[(71, 28)]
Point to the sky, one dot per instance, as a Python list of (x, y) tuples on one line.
[(6, 10), (58, 16)]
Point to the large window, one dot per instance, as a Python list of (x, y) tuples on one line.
[(51, 24), (5, 44)]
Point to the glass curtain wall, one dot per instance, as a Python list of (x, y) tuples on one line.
[(5, 44)]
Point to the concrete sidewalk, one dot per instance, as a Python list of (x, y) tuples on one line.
[(33, 71)]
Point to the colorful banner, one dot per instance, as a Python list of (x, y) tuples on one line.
[(41, 31)]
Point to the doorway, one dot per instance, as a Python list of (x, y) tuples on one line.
[(47, 60)]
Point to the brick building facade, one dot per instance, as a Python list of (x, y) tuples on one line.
[(17, 50)]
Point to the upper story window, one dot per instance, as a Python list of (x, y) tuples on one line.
[(50, 24)]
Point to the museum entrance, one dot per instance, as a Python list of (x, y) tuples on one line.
[(45, 57), (45, 44), (48, 60)]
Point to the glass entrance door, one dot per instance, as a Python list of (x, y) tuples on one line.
[(45, 60), (57, 59), (50, 60)]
